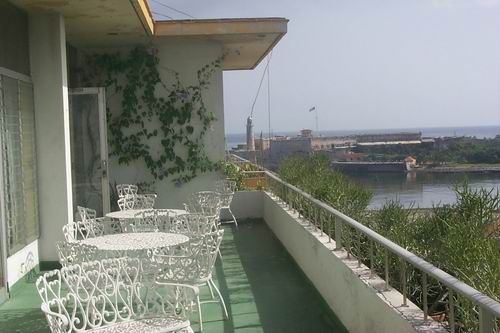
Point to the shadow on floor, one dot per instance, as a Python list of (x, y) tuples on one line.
[(21, 313)]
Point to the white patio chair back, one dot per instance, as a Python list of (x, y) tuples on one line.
[(164, 218), (226, 190), (193, 266), (193, 225), (137, 201), (208, 251), (75, 231), (126, 189), (145, 221), (104, 294), (109, 225), (205, 202), (128, 202), (71, 253), (86, 213), (145, 201)]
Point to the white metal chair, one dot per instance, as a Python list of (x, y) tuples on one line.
[(75, 231), (109, 225), (128, 202), (164, 219), (192, 225), (207, 203), (110, 296), (193, 267), (71, 253), (145, 201), (86, 213), (137, 201), (126, 189), (145, 221), (226, 190)]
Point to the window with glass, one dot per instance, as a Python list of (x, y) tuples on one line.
[(17, 140)]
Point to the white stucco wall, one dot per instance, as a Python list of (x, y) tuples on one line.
[(246, 205), (22, 262), (356, 299), (48, 72), (185, 57)]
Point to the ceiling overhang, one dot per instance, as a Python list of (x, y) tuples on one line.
[(114, 23), (98, 22), (245, 41)]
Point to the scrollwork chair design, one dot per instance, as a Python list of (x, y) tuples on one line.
[(145, 201), (137, 201), (164, 218), (192, 225), (110, 296), (226, 190), (126, 189), (71, 253), (128, 202), (75, 231), (86, 213), (195, 267), (207, 203), (146, 221)]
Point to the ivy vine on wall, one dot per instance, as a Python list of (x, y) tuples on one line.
[(162, 124)]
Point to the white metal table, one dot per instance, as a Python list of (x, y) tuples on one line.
[(140, 241), (131, 213)]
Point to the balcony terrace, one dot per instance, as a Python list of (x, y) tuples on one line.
[(265, 291), (295, 264)]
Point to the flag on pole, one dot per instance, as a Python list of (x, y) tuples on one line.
[(312, 109)]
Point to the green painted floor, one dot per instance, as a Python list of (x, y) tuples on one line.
[(265, 291)]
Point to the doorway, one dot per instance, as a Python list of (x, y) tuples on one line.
[(89, 149)]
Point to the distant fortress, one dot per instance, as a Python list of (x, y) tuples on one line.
[(272, 150)]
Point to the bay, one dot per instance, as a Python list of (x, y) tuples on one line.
[(421, 189)]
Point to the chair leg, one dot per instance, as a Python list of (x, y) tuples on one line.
[(220, 255), (200, 319), (211, 290), (234, 218), (221, 300)]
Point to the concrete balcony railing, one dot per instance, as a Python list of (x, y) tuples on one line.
[(338, 255)]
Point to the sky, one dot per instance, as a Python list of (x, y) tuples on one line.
[(365, 64)]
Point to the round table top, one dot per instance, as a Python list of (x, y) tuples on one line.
[(136, 241), (130, 214)]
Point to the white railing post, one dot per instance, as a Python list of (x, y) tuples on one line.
[(486, 321), (338, 233)]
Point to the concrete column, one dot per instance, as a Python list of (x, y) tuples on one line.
[(49, 74)]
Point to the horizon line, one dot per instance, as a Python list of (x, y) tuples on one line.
[(372, 129)]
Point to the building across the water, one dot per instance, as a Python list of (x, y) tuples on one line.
[(273, 150)]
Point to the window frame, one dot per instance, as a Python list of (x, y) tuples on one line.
[(8, 248)]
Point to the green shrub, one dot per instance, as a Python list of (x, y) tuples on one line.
[(451, 237), (314, 176)]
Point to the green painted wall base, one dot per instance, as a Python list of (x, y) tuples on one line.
[(29, 277), (49, 265)]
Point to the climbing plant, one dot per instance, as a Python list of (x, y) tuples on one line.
[(158, 122)]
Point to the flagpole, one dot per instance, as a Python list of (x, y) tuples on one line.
[(317, 128), (316, 117)]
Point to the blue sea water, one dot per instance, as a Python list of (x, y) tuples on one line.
[(478, 131)]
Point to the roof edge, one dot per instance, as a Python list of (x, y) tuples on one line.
[(225, 20), (193, 27), (143, 11), (269, 49)]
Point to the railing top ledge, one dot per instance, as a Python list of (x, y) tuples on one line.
[(450, 281)]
